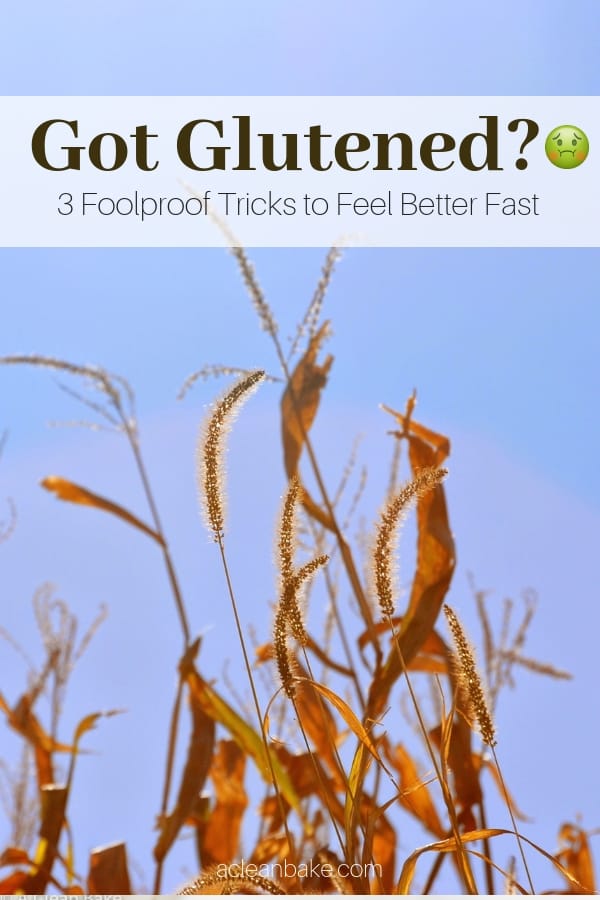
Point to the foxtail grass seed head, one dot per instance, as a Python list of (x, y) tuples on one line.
[(287, 542), (211, 451), (104, 381), (310, 322), (467, 670), (291, 581), (230, 879), (283, 655), (289, 623), (383, 566), (292, 597), (288, 615), (265, 314), (290, 605)]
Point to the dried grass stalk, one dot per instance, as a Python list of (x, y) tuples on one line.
[(211, 452), (310, 322), (287, 541), (383, 567), (470, 680), (288, 616), (284, 658), (534, 665)]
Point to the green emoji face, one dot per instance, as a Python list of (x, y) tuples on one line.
[(567, 146)]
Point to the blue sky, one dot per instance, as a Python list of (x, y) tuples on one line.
[(502, 346)]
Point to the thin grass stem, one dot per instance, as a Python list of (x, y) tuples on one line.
[(461, 855), (269, 325), (512, 819), (171, 747), (238, 625)]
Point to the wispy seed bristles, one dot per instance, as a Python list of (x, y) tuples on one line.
[(289, 623), (284, 658), (471, 680), (211, 451), (287, 540), (533, 665), (383, 567), (291, 600), (215, 371), (288, 615)]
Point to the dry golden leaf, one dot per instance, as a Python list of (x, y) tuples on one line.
[(301, 770), (221, 835), (195, 772), (14, 856), (422, 662), (264, 653), (435, 544), (352, 809), (411, 428), (332, 877), (301, 398), (349, 717), (299, 406), (463, 763), (449, 846), (23, 720), (318, 723), (433, 645), (380, 848), (434, 565), (269, 811), (576, 855), (88, 723), (310, 779), (109, 872), (270, 847), (247, 738), (15, 883), (52, 816), (415, 796), (74, 493)]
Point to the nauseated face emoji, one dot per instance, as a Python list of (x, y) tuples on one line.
[(567, 146)]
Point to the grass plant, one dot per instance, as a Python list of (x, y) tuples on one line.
[(340, 748)]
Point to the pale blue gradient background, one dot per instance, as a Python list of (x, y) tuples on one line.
[(502, 345)]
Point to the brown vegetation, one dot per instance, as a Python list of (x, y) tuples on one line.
[(337, 791)]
